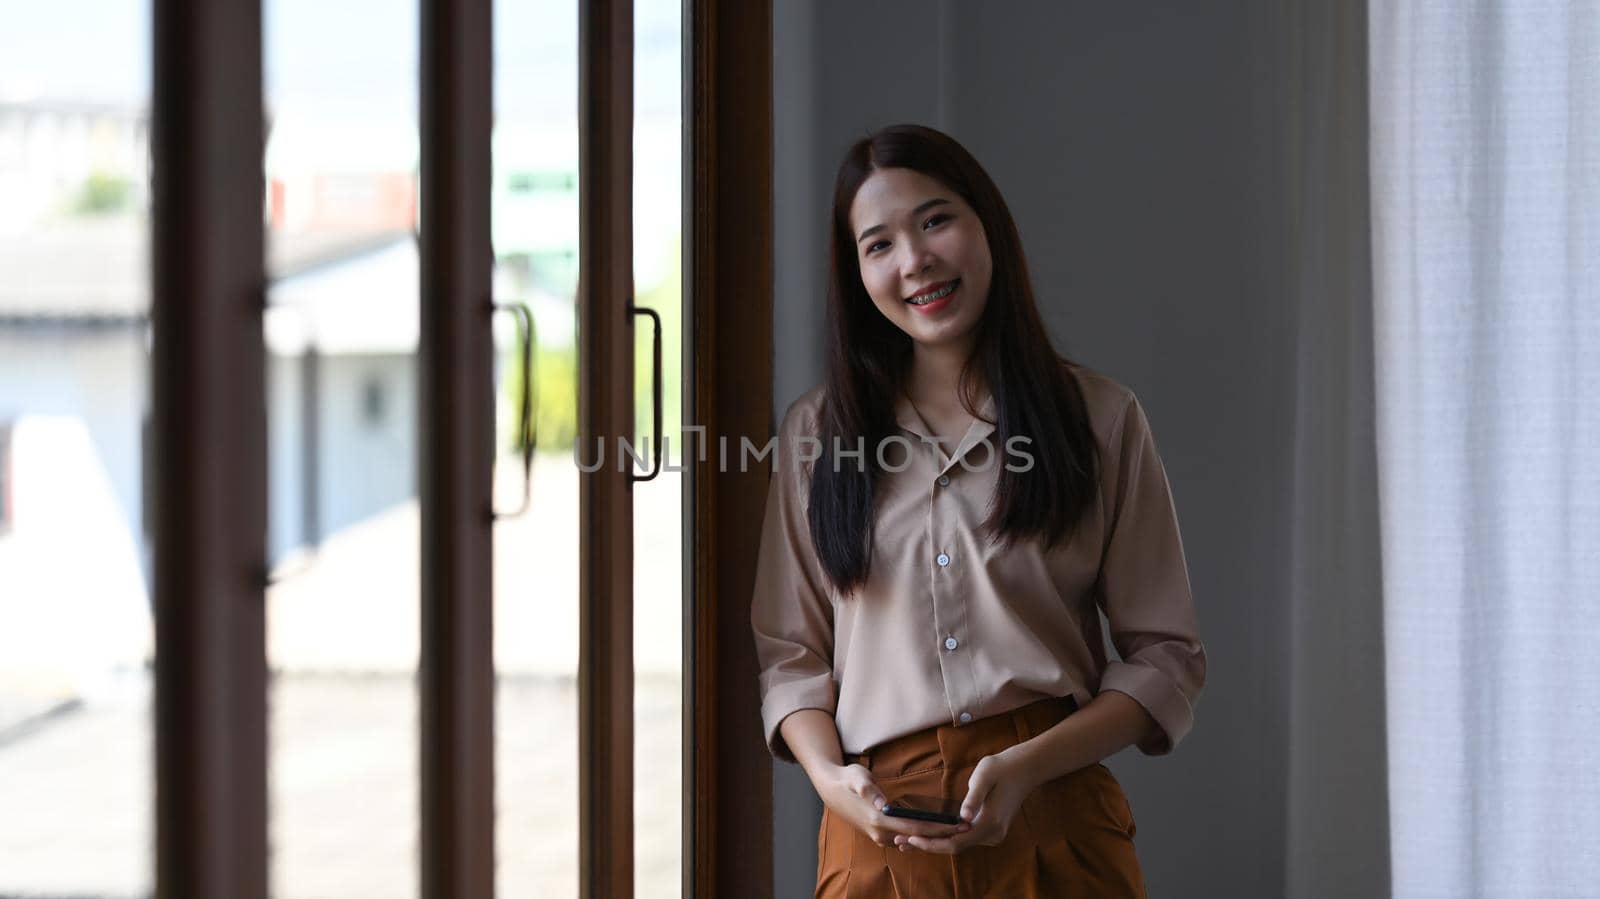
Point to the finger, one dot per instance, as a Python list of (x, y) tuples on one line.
[(869, 791), (904, 839), (870, 796), (940, 845), (978, 789), (910, 827)]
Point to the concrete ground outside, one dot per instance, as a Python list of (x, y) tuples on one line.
[(76, 808)]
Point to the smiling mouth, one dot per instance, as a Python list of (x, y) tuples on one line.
[(934, 296)]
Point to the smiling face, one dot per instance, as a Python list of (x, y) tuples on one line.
[(924, 256)]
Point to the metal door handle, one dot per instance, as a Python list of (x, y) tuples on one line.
[(655, 393), (527, 424)]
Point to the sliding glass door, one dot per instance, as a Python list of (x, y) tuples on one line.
[(309, 584)]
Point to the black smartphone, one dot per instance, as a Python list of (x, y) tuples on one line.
[(925, 808)]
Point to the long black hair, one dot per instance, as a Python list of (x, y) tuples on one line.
[(868, 358)]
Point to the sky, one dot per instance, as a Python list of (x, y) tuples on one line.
[(344, 72)]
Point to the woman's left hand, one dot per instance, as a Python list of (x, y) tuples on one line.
[(994, 793)]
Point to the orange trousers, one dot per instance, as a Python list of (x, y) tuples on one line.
[(1072, 837)]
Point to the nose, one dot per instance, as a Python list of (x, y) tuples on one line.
[(916, 260)]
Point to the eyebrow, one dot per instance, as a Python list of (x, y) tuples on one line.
[(926, 204)]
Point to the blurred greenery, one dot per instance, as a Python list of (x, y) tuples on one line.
[(666, 299), (556, 368), (102, 193)]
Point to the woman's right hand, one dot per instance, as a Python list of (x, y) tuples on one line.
[(850, 792)]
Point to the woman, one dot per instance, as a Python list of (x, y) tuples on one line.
[(951, 511)]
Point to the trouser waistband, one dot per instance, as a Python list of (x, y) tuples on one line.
[(955, 746)]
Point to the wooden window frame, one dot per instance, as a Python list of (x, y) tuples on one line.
[(728, 380), (605, 415), (210, 457), (456, 424), (208, 403)]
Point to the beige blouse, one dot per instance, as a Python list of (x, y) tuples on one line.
[(949, 628)]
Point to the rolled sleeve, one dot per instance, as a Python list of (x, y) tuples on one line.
[(791, 613), (1144, 589)]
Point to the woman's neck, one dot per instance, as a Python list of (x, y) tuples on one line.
[(935, 376)]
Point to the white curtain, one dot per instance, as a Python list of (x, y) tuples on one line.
[(1485, 167), (1336, 834)]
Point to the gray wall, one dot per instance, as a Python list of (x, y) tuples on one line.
[(101, 375), (1137, 147), (366, 462), (369, 455)]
